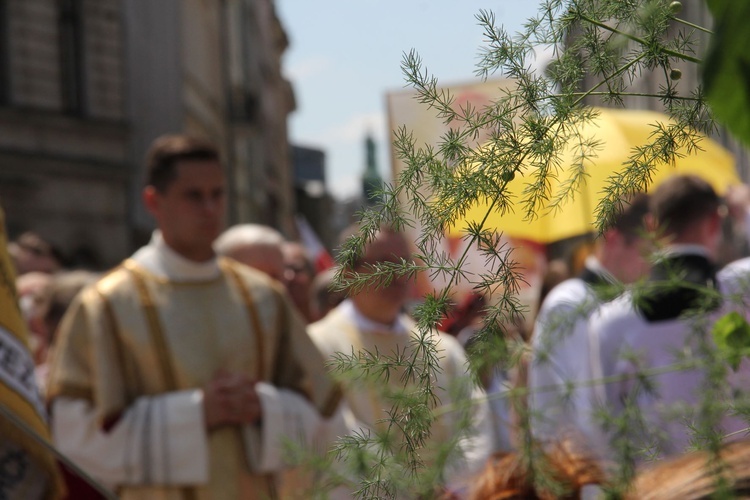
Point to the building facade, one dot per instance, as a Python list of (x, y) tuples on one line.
[(313, 201), (86, 85)]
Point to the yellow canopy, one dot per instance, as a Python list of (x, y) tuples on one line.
[(619, 131)]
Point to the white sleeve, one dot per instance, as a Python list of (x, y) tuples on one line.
[(474, 447), (559, 373), (290, 423), (158, 440)]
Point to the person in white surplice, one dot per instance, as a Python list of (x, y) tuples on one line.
[(561, 371), (372, 320), (180, 374), (668, 390)]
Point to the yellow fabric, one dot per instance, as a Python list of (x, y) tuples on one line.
[(107, 354), (619, 131), (12, 321)]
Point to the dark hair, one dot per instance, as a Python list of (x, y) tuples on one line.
[(40, 246), (679, 201), (166, 151), (630, 217)]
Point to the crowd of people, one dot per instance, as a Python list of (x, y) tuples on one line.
[(210, 364), (626, 362)]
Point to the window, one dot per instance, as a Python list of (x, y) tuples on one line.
[(72, 61), (4, 54)]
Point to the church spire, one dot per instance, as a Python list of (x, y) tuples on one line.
[(372, 183)]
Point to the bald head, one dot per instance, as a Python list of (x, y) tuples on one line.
[(383, 301), (254, 245)]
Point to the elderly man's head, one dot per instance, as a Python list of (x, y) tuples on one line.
[(254, 245), (298, 275)]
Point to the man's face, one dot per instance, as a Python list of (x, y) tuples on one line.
[(190, 212), (297, 273), (632, 257), (387, 247)]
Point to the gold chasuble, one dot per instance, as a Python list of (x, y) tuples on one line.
[(27, 469), (136, 345)]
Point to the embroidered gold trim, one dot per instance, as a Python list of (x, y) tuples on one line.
[(281, 328), (252, 311), (74, 391), (282, 321), (119, 345), (155, 328)]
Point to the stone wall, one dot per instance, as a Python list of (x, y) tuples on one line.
[(64, 171)]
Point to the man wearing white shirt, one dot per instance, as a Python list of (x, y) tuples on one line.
[(372, 321), (735, 276), (656, 344), (560, 372), (179, 374)]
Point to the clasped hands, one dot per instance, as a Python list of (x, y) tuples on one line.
[(231, 399)]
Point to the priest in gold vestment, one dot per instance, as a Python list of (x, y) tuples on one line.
[(180, 375), (372, 321)]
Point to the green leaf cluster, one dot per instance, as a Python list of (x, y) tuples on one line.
[(601, 49), (732, 336), (726, 72)]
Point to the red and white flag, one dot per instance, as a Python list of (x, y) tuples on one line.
[(320, 257)]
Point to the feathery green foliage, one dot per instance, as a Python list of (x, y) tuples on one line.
[(600, 48)]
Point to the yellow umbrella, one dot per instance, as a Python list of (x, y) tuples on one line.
[(619, 131)]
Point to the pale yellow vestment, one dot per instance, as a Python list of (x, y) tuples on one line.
[(337, 333), (135, 335)]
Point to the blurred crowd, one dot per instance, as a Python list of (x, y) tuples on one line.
[(193, 367)]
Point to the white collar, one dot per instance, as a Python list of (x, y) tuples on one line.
[(684, 249), (593, 264), (159, 259), (365, 324)]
